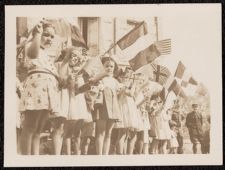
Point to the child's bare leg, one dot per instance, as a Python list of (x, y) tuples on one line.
[(85, 142), (154, 147), (107, 139), (35, 144), (77, 144), (100, 134), (25, 141), (57, 139), (163, 148), (121, 141), (125, 143), (140, 142), (68, 146), (18, 134), (43, 116), (145, 148), (131, 143)]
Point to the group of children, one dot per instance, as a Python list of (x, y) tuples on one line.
[(53, 93)]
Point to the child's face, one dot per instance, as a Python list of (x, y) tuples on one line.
[(74, 59), (47, 37), (109, 67)]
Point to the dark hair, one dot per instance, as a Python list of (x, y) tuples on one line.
[(154, 96), (105, 59), (66, 52)]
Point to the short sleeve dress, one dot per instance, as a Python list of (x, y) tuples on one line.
[(160, 125), (110, 107), (41, 86), (77, 105)]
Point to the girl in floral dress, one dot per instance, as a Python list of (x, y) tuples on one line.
[(41, 88)]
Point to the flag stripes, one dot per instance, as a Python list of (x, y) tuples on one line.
[(164, 46)]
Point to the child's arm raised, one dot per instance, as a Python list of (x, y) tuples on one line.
[(34, 48)]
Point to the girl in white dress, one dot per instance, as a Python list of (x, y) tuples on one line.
[(173, 141), (129, 125), (73, 103), (108, 113)]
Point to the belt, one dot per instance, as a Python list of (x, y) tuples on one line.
[(45, 72)]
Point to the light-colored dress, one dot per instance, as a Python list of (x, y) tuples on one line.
[(41, 86), (128, 110), (173, 140), (77, 105), (110, 107), (160, 125), (143, 121)]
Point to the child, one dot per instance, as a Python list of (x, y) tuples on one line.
[(173, 141), (108, 113), (40, 97), (128, 109), (152, 108), (19, 116), (77, 112), (142, 136), (88, 129)]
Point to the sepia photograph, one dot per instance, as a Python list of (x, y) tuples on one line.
[(105, 88)]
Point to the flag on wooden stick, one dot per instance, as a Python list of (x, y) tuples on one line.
[(144, 57), (133, 35), (77, 38), (164, 46), (160, 74), (176, 88), (191, 81), (94, 67), (180, 70)]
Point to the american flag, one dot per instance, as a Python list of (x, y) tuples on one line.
[(164, 46), (160, 73)]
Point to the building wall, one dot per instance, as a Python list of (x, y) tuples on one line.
[(102, 32)]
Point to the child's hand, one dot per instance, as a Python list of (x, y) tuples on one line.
[(38, 29)]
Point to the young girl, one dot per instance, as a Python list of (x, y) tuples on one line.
[(142, 135), (173, 141), (129, 111), (163, 129), (152, 108), (41, 91), (19, 117), (77, 110), (88, 129), (109, 112)]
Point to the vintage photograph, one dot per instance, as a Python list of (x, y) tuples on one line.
[(113, 85)]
